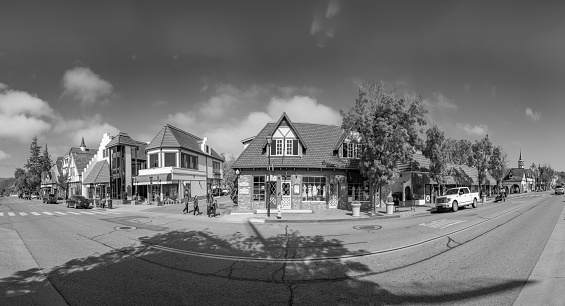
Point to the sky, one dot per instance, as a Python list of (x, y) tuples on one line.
[(223, 69)]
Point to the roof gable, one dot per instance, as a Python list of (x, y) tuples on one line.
[(172, 137), (285, 121), (122, 139)]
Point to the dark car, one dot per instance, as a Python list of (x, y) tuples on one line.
[(50, 199), (78, 201)]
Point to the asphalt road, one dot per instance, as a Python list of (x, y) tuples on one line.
[(480, 256)]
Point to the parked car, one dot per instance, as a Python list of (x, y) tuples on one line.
[(50, 199), (457, 197), (559, 189), (78, 201), (26, 196), (35, 196)]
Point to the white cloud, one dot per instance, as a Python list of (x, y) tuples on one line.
[(85, 86), (440, 102), (333, 9), (3, 86), (23, 115), (474, 130), (91, 128), (232, 114), (534, 116), (316, 25), (4, 155)]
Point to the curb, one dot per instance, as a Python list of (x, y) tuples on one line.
[(331, 220)]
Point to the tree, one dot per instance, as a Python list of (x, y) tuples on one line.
[(435, 149), (390, 129), (481, 153), (230, 176), (498, 164), (34, 166), (62, 184), (461, 151), (21, 183), (546, 175), (46, 161)]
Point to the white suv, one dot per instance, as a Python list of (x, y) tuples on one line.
[(559, 189)]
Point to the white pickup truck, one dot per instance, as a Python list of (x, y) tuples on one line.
[(455, 198)]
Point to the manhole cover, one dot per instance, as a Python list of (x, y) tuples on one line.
[(367, 227), (125, 228)]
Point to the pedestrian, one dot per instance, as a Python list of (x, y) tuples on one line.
[(214, 206), (209, 210), (196, 206), (186, 200)]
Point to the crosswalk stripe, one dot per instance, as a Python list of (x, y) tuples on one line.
[(87, 213), (60, 213), (441, 224), (1, 214), (72, 213), (11, 214), (114, 213), (47, 213), (35, 213), (23, 214)]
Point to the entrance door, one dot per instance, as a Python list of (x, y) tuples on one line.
[(272, 194), (333, 196), (286, 202)]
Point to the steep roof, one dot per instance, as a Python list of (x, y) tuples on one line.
[(321, 139), (172, 137), (122, 139), (517, 174), (78, 150), (99, 174), (82, 159)]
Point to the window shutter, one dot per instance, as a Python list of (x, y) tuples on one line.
[(295, 147), (274, 147)]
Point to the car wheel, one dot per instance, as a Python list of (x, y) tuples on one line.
[(455, 206), (474, 203)]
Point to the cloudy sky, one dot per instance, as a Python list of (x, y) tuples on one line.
[(222, 69)]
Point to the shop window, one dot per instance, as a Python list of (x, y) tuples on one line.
[(170, 159), (314, 188), (259, 188), (357, 191)]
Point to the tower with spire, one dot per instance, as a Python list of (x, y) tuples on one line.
[(82, 145), (520, 161)]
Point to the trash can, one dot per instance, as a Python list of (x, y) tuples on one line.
[(390, 208), (355, 208), (109, 202)]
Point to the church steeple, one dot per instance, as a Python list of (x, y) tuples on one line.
[(82, 145), (520, 161)]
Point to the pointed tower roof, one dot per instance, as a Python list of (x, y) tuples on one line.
[(123, 139), (82, 145), (173, 137)]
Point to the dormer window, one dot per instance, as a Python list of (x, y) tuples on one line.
[(352, 150), (283, 143)]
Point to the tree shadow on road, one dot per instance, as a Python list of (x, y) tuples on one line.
[(172, 268)]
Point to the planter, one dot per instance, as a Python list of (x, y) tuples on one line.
[(355, 208)]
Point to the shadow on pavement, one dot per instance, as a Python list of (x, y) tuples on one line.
[(146, 275)]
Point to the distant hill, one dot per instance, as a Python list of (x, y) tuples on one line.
[(6, 182)]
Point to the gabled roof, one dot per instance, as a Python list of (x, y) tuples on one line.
[(141, 150), (321, 139), (517, 174), (82, 159), (99, 174), (172, 137), (78, 150), (122, 139), (284, 118)]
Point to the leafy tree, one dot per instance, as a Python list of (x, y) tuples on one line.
[(21, 183), (498, 164), (481, 153), (46, 161), (435, 149), (230, 176), (462, 152), (546, 175), (62, 184), (390, 130), (34, 166)]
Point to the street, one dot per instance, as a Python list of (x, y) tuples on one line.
[(55, 255)]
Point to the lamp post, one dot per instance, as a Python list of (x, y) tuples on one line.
[(150, 190), (269, 141)]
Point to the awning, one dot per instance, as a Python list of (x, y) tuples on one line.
[(155, 179), (100, 174)]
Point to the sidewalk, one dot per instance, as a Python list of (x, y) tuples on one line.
[(227, 213)]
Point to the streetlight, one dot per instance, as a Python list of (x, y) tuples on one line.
[(150, 190), (269, 141)]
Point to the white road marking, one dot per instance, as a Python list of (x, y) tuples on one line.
[(441, 224), (87, 213), (11, 214), (1, 214), (47, 213), (72, 213), (23, 214), (60, 213), (35, 213)]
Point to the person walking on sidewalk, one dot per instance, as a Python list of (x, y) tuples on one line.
[(196, 206), (214, 206), (186, 200), (209, 210)]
